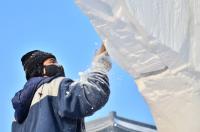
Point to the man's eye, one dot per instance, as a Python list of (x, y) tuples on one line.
[(53, 61)]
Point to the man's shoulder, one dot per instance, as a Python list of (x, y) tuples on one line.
[(60, 80), (47, 89)]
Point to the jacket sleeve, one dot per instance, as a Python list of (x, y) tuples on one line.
[(77, 99)]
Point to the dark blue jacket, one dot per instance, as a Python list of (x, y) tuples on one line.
[(59, 104)]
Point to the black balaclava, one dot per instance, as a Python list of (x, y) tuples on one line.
[(54, 70), (33, 62)]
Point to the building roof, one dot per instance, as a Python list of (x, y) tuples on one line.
[(114, 123)]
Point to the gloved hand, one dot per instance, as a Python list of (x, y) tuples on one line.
[(101, 62), (101, 50)]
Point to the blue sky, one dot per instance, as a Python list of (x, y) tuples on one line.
[(61, 28)]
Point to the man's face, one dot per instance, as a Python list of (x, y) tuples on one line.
[(51, 68), (47, 62)]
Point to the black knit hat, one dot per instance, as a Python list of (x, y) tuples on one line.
[(33, 62)]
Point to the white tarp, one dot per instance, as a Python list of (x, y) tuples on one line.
[(156, 41)]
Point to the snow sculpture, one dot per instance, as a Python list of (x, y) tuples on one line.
[(156, 41)]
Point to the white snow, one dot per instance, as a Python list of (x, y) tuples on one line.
[(156, 41)]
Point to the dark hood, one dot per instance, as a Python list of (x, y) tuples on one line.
[(22, 100)]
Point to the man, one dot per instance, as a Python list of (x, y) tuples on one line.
[(50, 102)]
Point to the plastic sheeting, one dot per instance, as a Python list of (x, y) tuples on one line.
[(156, 41)]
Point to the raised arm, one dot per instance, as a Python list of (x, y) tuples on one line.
[(81, 98)]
